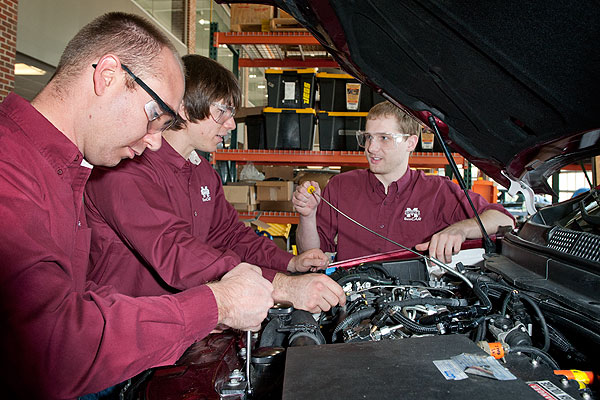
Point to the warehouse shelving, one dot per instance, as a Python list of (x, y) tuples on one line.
[(324, 158), (277, 49)]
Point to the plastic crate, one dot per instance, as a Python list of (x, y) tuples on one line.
[(289, 129), (256, 132), (337, 130), (290, 88), (341, 92)]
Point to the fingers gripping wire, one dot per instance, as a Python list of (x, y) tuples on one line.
[(312, 190)]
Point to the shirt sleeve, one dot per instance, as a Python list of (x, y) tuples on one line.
[(327, 218), (227, 231), (463, 208), (140, 212), (63, 338)]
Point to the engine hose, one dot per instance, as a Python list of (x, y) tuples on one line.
[(429, 300), (543, 323), (362, 277), (485, 300), (534, 350), (538, 313), (353, 319), (412, 325)]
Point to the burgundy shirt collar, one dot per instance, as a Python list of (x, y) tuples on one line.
[(168, 155), (395, 187), (49, 141)]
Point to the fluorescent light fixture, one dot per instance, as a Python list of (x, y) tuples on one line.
[(24, 69), (260, 86), (314, 167), (203, 22), (252, 76)]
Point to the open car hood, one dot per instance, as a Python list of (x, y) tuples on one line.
[(514, 84)]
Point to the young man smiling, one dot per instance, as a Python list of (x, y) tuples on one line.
[(166, 219), (407, 206)]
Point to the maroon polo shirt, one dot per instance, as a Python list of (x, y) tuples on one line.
[(415, 207), (63, 336), (159, 214)]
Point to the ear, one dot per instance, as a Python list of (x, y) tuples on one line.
[(411, 142), (106, 73)]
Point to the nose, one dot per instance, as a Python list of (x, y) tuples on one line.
[(372, 145), (152, 141), (230, 123)]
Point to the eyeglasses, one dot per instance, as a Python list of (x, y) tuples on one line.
[(222, 113), (160, 116), (383, 139)]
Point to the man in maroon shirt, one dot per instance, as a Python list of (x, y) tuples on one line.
[(161, 224), (114, 91), (427, 212)]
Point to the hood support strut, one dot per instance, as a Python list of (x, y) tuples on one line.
[(488, 245)]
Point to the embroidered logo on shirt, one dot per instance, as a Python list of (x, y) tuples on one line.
[(205, 193), (412, 214)]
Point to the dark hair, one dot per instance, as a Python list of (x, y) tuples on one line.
[(406, 122), (133, 39), (206, 81)]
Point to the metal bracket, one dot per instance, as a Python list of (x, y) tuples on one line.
[(520, 186)]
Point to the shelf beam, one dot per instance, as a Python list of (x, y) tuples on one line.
[(271, 217), (280, 38), (288, 63), (324, 158)]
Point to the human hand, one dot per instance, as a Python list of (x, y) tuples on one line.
[(309, 292), (444, 244), (243, 297), (313, 260), (306, 203)]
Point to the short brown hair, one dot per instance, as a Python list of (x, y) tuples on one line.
[(133, 39), (207, 81), (406, 122)]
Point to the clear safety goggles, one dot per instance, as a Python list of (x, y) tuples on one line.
[(221, 112), (383, 139)]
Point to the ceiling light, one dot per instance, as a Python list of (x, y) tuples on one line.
[(261, 86), (251, 76), (203, 22), (24, 69)]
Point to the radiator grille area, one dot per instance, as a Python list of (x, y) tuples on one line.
[(579, 244)]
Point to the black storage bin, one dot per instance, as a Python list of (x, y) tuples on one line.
[(290, 88), (338, 92), (428, 143), (256, 131), (289, 129), (337, 130)]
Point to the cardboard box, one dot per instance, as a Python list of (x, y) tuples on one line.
[(251, 14), (274, 190), (240, 193), (322, 178), (244, 206), (286, 206), (285, 172)]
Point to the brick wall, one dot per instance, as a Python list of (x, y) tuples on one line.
[(8, 45)]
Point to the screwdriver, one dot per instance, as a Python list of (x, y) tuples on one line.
[(312, 190)]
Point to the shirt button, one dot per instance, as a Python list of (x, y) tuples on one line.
[(382, 226), (59, 171), (195, 213), (78, 223)]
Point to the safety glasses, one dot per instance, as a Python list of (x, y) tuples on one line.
[(383, 139)]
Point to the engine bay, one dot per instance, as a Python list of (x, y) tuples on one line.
[(394, 303)]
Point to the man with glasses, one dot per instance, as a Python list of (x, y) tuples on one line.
[(416, 210), (115, 90), (165, 218)]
